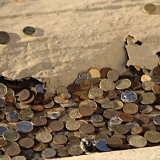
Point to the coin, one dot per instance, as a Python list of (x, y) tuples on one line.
[(75, 150), (48, 104), (101, 136), (106, 104), (150, 8), (147, 98), (95, 92), (72, 125), (29, 31), (43, 137), (123, 84), (106, 85), (98, 124), (156, 89), (147, 85), (38, 147), (3, 129), (11, 135), (5, 157), (12, 116), (94, 72), (18, 158), (157, 107), (59, 139), (26, 114), (59, 100), (110, 94), (28, 153), (109, 113), (62, 152), (3, 89), (86, 110), (101, 145), (74, 113), (96, 118), (83, 95), (4, 37), (128, 96), (145, 108), (115, 121), (88, 103), (156, 119), (114, 142), (125, 117), (145, 78), (152, 136), (24, 126), (74, 88), (141, 118), (113, 75), (121, 129), (3, 142), (136, 130), (23, 95), (53, 114), (147, 127), (37, 108), (26, 142), (87, 128), (48, 153), (104, 72), (86, 84), (61, 90), (56, 125), (138, 141), (130, 108), (117, 104), (135, 85)]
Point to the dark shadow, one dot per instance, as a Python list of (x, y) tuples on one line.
[(39, 32), (14, 38), (138, 43)]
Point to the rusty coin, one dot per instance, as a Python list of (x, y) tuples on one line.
[(56, 125), (87, 128), (130, 108)]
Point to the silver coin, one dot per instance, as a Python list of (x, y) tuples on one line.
[(115, 120)]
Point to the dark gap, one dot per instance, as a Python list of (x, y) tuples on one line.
[(138, 43), (158, 54)]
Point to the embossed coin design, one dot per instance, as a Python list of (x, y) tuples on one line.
[(130, 108), (43, 137), (107, 84), (48, 153), (11, 135), (30, 31), (138, 141), (87, 128), (56, 126), (113, 75), (72, 125)]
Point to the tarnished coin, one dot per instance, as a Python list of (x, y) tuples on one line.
[(56, 125), (128, 96), (147, 98), (86, 84), (12, 116), (144, 108), (157, 107), (95, 73), (130, 108), (86, 110), (48, 153), (37, 108), (115, 121), (24, 126), (74, 88), (83, 95), (121, 129), (18, 158), (73, 140), (156, 89), (26, 114), (59, 100), (72, 125), (156, 119), (88, 103), (107, 84), (117, 104), (75, 150), (23, 95), (114, 142), (62, 152), (39, 120), (3, 89), (53, 114), (3, 129), (43, 137), (145, 78), (135, 85), (5, 157), (152, 136), (109, 113), (150, 8), (125, 117), (131, 124), (141, 118), (26, 142), (123, 84), (29, 31), (55, 146), (106, 104), (48, 104), (98, 124), (113, 75), (101, 136), (3, 142), (28, 153), (101, 145), (95, 92), (61, 90), (39, 147), (59, 139), (147, 127), (21, 106), (110, 94), (104, 72), (147, 85), (136, 130), (96, 118), (87, 128), (11, 135), (137, 141), (10, 100), (4, 37), (74, 113)]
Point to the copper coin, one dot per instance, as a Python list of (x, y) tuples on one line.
[(26, 142), (74, 88), (135, 85), (130, 108), (56, 125), (86, 84), (121, 129), (114, 142), (147, 127), (101, 136), (156, 89), (39, 147), (59, 139), (48, 153), (10, 100), (145, 78), (122, 137), (26, 114), (104, 72), (99, 124), (37, 108), (157, 70), (75, 150), (86, 110), (110, 94), (136, 130), (4, 37), (3, 142), (125, 117), (87, 128), (109, 113), (39, 120)]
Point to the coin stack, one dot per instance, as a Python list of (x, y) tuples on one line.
[(100, 111)]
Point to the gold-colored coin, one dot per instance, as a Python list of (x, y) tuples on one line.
[(87, 128), (109, 113), (123, 84), (43, 137), (156, 89), (59, 139), (145, 77), (106, 104), (95, 73), (101, 136), (88, 103), (114, 142), (150, 8), (61, 89), (147, 85), (136, 130), (121, 129), (113, 75), (117, 104), (75, 150), (137, 141), (72, 125), (86, 84), (152, 136), (156, 119), (107, 84), (147, 98), (62, 152), (74, 113), (3, 89), (95, 92)]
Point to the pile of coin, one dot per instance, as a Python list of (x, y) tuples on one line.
[(100, 111)]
